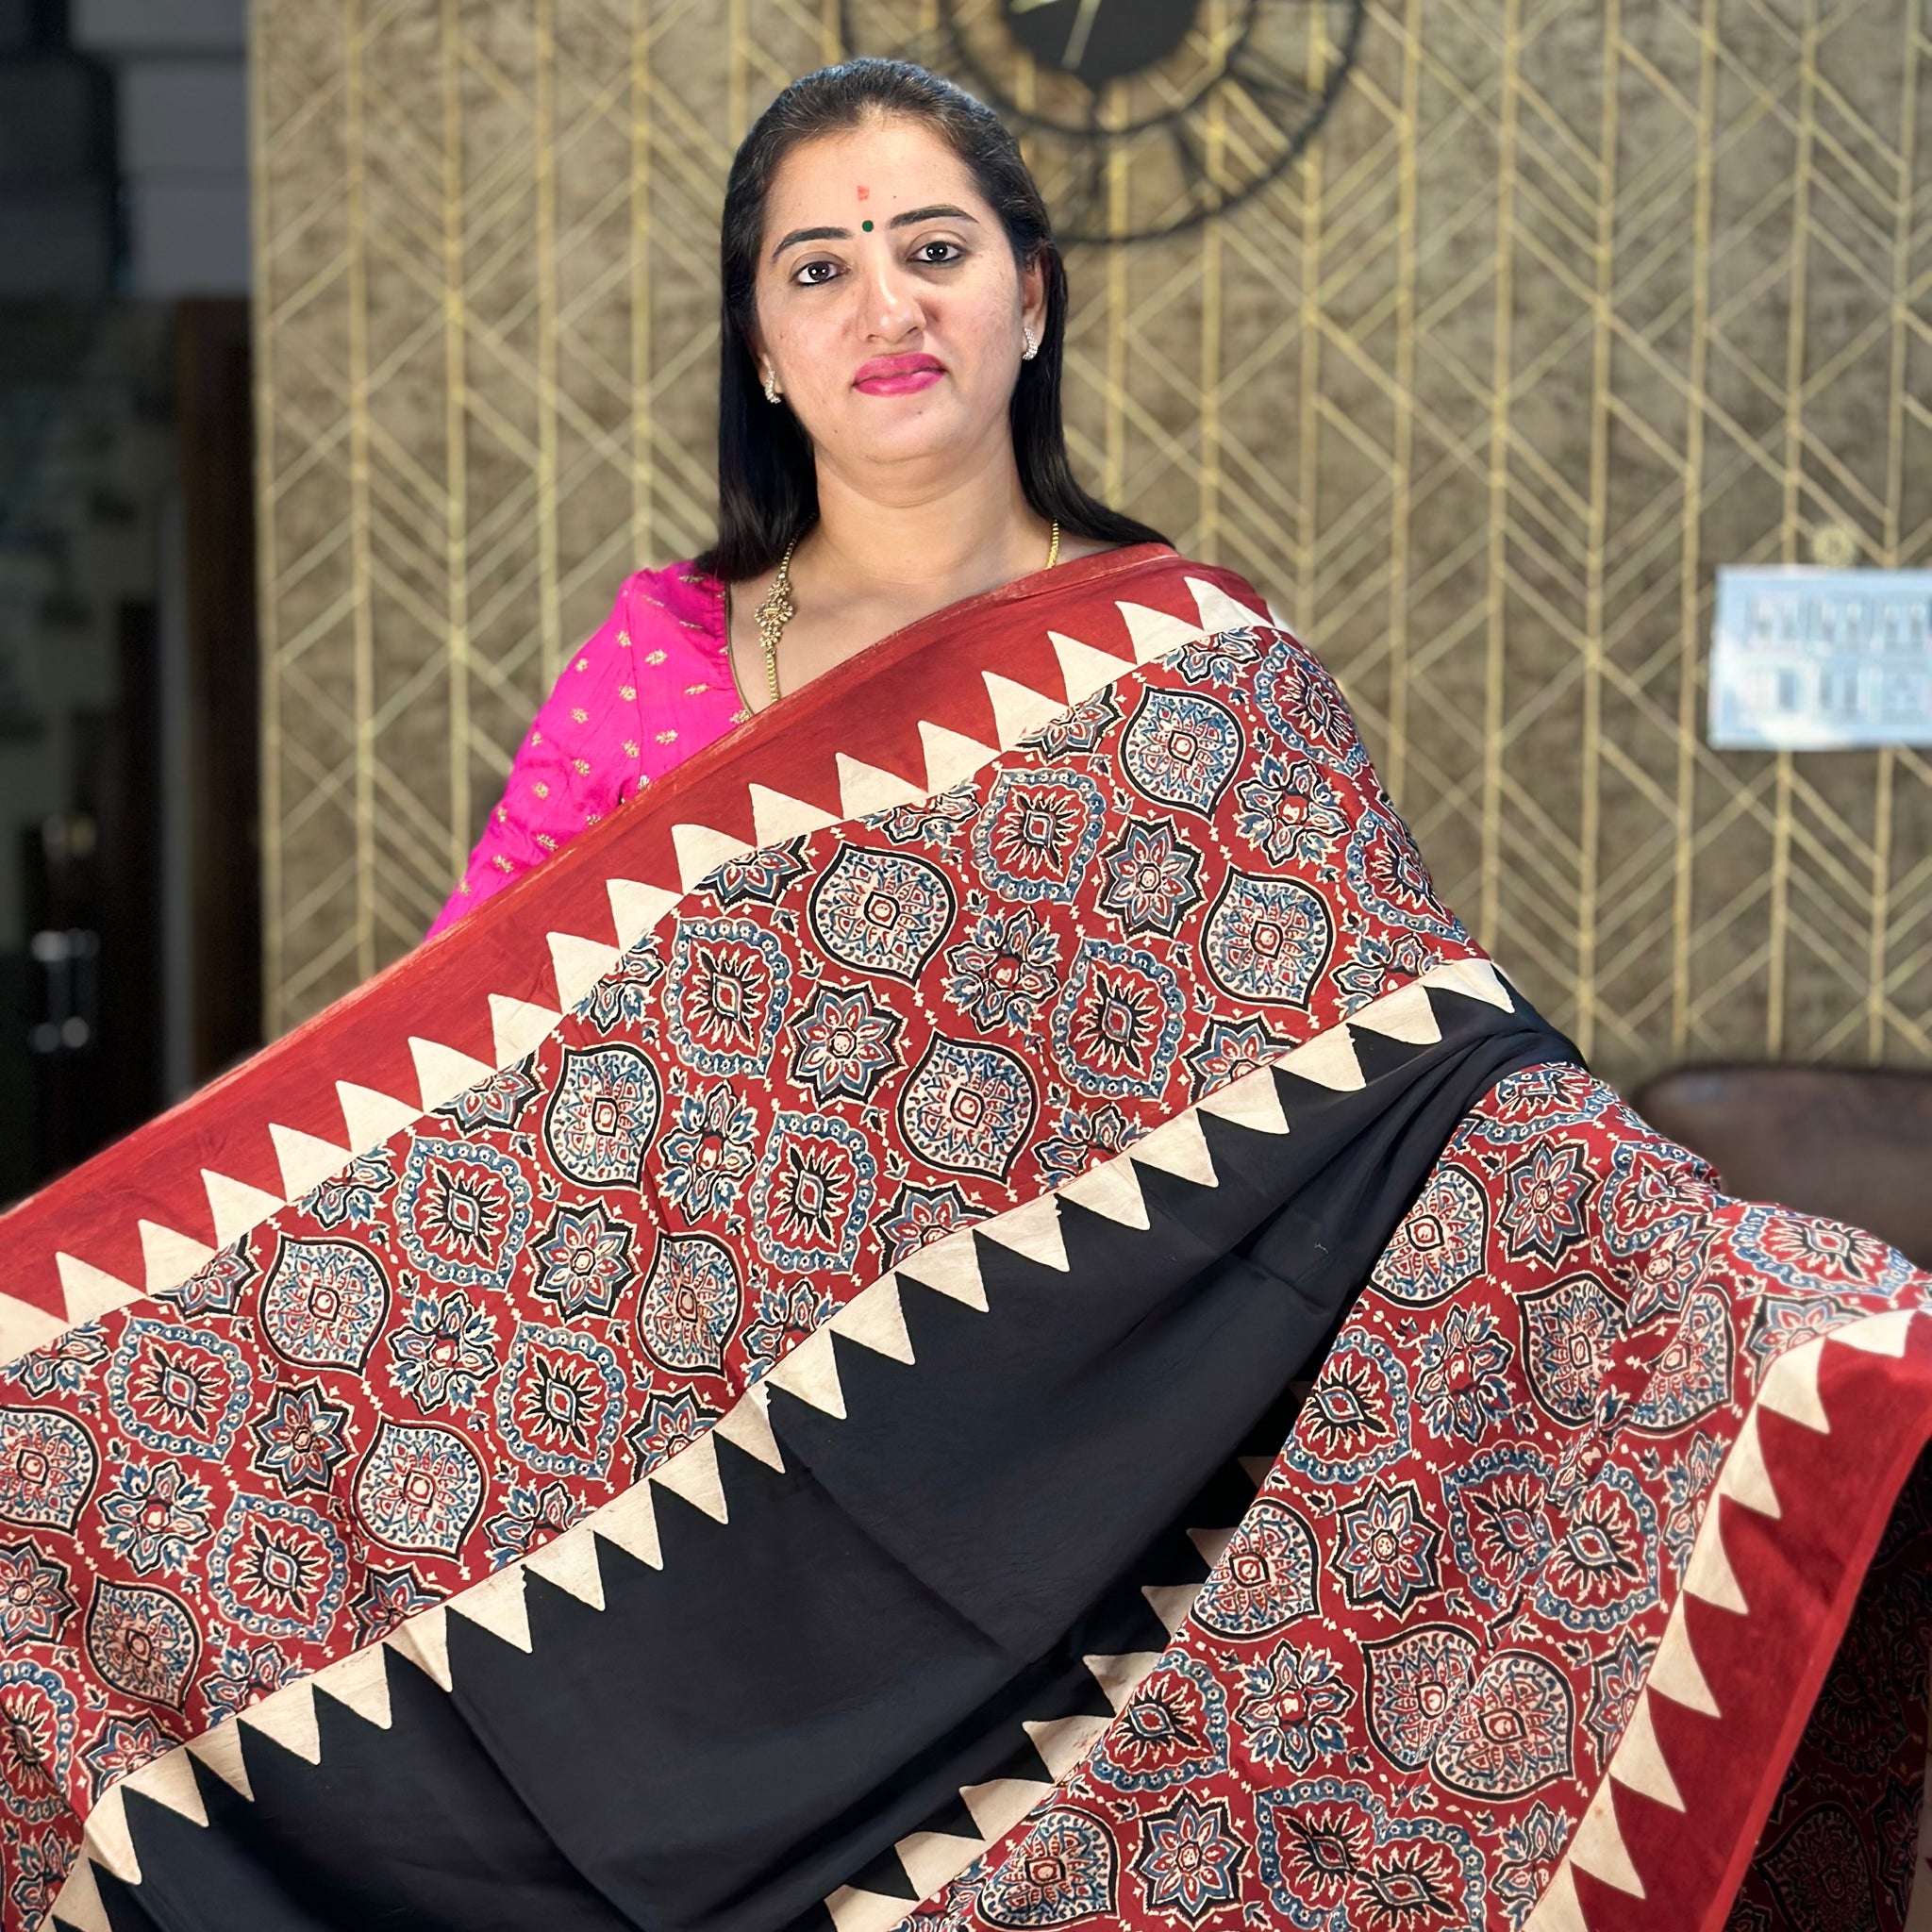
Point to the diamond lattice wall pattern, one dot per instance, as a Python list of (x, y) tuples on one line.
[(1565, 305)]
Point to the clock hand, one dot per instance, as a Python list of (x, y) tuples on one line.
[(1077, 41)]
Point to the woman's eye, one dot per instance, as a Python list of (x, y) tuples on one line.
[(814, 274), (934, 253)]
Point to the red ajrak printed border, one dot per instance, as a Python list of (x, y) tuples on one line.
[(1612, 1856), (223, 1302), (870, 709)]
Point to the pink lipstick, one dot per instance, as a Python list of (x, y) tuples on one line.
[(898, 375)]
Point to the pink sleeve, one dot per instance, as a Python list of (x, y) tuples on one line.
[(579, 761)]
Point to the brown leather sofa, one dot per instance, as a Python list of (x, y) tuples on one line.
[(1851, 1142)]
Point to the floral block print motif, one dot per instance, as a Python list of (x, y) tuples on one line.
[(1441, 1621), (1444, 1613)]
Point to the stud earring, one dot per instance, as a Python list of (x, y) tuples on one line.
[(1032, 348), (772, 388)]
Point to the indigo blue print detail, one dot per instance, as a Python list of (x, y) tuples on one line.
[(1182, 749), (603, 1116), (1267, 940), (182, 1391), (1117, 1026), (727, 994), (559, 1401), (463, 1209), (814, 1191), (1038, 834)]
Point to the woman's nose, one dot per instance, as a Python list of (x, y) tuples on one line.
[(892, 306)]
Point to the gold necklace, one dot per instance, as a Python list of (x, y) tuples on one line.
[(778, 610)]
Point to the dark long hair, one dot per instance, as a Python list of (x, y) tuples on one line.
[(767, 485)]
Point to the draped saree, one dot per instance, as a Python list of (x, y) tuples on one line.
[(978, 1310)]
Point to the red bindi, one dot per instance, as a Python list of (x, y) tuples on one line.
[(865, 194)]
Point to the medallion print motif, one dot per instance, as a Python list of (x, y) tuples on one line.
[(1548, 1189), (1499, 1531), (445, 1354), (1266, 1577), (154, 1516), (1182, 749), (323, 1302), (48, 1462), (1510, 1734), (883, 912), (463, 1207), (1063, 1871), (1693, 1375), (1440, 1244), (181, 1390), (1004, 970), (690, 1303), (844, 1044), (1810, 1254), (815, 1190), (967, 1107), (143, 1640), (1151, 878), (1267, 940), (1602, 1566), (1572, 1331), (1290, 813), (1388, 875), (729, 988), (301, 1437), (601, 1119), (1331, 1857), (1292, 1707), (1463, 1375), (1119, 1021), (278, 1569), (559, 1401), (1357, 1416), (1385, 1551), (1303, 707), (37, 1723), (1173, 1728), (36, 1603), (420, 1487), (583, 1261), (1416, 1679), (710, 1151), (1189, 1860), (1038, 834)]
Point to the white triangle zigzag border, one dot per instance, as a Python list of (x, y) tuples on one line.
[(1789, 1389), (517, 1027), (875, 1320)]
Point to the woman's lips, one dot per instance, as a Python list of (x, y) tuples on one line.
[(897, 375)]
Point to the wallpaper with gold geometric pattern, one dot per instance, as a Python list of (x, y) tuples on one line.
[(1568, 304)]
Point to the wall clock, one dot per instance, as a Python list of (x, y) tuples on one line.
[(1138, 117)]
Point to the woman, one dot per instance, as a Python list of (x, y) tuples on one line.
[(773, 1437), (894, 319)]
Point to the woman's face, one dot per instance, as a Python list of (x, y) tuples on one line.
[(890, 307)]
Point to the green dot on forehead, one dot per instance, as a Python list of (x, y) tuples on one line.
[(867, 226)]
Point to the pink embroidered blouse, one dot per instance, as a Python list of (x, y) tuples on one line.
[(650, 685)]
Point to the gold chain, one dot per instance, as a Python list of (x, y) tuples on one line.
[(778, 610), (774, 613)]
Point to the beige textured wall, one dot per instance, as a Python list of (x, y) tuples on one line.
[(1569, 303)]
